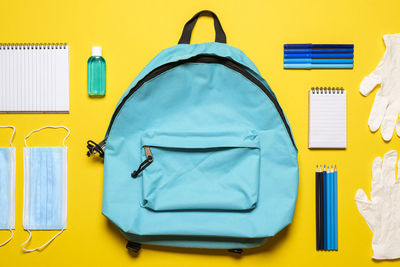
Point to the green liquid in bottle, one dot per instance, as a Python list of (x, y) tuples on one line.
[(96, 74)]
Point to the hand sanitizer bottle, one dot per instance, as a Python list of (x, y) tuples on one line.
[(96, 73)]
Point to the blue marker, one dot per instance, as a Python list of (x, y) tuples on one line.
[(296, 46), (316, 50), (311, 55), (317, 66), (318, 61)]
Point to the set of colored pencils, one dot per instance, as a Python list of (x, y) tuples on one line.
[(318, 56), (326, 208)]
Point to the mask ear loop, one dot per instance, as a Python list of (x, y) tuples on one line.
[(9, 239), (42, 246), (11, 139), (51, 127), (30, 234), (13, 133)]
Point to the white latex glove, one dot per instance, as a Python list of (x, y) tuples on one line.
[(386, 108), (382, 213)]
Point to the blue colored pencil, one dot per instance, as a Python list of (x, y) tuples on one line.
[(317, 50), (318, 61), (318, 208), (331, 230), (318, 46), (329, 210), (317, 66), (335, 210), (322, 208), (314, 55), (325, 209), (332, 246)]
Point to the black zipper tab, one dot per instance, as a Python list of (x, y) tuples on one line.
[(145, 163), (94, 148)]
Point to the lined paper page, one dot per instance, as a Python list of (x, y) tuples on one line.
[(34, 78), (327, 119)]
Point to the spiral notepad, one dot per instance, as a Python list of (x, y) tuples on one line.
[(34, 78), (327, 118)]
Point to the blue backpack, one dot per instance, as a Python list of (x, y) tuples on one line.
[(198, 152)]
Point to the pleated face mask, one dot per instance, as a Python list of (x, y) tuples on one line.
[(45, 188), (7, 187)]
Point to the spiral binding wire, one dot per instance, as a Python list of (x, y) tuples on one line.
[(327, 90), (28, 46)]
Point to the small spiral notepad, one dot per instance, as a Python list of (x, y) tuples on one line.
[(34, 78), (327, 118)]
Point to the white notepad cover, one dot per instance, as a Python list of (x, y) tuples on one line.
[(327, 119), (34, 78)]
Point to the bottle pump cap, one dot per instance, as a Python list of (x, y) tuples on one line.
[(96, 51)]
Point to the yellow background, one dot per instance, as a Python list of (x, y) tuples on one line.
[(131, 34)]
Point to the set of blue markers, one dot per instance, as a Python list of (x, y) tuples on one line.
[(318, 56)]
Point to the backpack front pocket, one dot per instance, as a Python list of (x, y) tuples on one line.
[(199, 171)]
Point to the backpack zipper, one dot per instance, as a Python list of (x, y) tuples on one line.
[(231, 64)]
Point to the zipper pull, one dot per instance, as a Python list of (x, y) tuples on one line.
[(145, 163), (94, 148)]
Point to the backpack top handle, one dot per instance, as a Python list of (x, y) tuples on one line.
[(220, 36)]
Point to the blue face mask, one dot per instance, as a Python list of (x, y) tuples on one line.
[(7, 187), (45, 189)]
